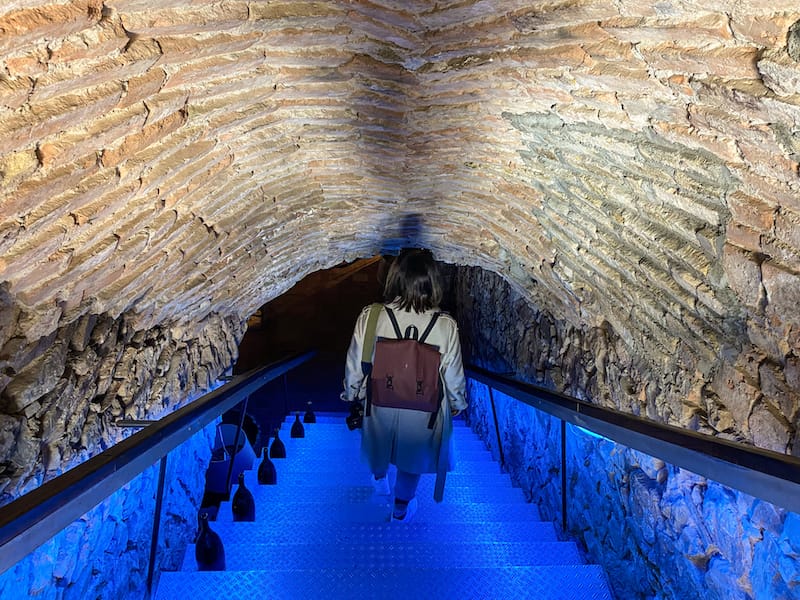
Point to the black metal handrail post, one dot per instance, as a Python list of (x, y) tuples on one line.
[(497, 429), (151, 563), (285, 395), (563, 475)]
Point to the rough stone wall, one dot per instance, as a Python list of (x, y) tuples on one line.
[(711, 394), (70, 387), (63, 394), (659, 531)]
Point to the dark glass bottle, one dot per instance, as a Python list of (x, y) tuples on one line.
[(277, 450), (267, 475), (298, 431), (208, 549), (309, 417), (243, 504)]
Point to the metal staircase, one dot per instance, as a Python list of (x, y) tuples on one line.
[(321, 532)]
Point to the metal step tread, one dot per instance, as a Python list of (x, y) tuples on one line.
[(316, 531), (337, 418), (305, 447), (337, 445), (584, 582), (242, 556), (365, 493), (309, 479), (291, 513), (352, 456), (354, 465), (330, 431)]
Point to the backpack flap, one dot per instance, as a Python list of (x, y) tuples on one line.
[(405, 374)]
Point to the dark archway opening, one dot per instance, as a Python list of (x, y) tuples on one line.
[(318, 313)]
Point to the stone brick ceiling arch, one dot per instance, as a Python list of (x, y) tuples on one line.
[(623, 164)]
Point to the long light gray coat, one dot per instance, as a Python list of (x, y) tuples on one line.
[(398, 436)]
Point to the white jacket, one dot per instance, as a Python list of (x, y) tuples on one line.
[(398, 436)]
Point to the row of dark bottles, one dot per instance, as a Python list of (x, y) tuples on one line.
[(209, 550)]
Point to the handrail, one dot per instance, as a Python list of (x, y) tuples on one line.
[(765, 474), (30, 520)]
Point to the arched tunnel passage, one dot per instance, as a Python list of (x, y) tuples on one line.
[(625, 173), (318, 313)]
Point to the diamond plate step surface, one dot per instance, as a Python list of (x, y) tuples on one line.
[(331, 441), (398, 555), (365, 493), (319, 466), (325, 532), (327, 418), (294, 479), (375, 512), (586, 582), (309, 447), (322, 532)]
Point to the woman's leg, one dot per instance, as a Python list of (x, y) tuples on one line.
[(405, 490)]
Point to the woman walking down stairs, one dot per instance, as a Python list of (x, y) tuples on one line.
[(323, 532)]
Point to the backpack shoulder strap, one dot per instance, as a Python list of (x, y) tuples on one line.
[(429, 328), (393, 319), (369, 334)]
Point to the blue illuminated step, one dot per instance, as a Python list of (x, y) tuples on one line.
[(322, 531), (353, 452), (286, 426), (292, 479), (365, 493), (377, 512), (349, 439), (329, 418), (467, 441), (583, 582), (367, 555), (352, 464)]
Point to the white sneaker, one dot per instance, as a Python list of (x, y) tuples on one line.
[(405, 517), (381, 486)]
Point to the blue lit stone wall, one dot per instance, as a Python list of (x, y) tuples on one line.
[(677, 534), (659, 531), (103, 555)]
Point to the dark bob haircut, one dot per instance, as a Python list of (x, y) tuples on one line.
[(414, 281)]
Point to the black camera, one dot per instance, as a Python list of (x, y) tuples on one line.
[(356, 417)]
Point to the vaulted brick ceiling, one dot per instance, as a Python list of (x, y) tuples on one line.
[(626, 163)]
